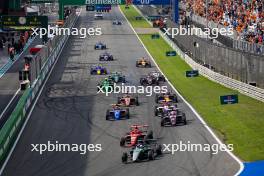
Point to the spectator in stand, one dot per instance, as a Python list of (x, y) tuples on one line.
[(245, 16)]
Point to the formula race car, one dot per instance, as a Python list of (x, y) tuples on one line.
[(106, 85), (159, 23), (164, 108), (143, 152), (117, 113), (117, 77), (143, 62), (173, 118), (166, 97), (98, 15), (157, 75), (100, 46), (117, 22), (98, 70), (127, 100), (149, 80), (137, 133), (106, 57)]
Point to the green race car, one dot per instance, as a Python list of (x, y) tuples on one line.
[(148, 150), (106, 85), (117, 77)]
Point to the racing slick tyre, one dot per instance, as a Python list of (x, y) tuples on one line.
[(137, 103), (162, 122), (128, 115), (150, 135), (150, 155), (159, 150), (122, 142), (124, 158), (157, 99), (123, 79), (156, 110), (107, 115), (149, 65), (136, 64), (184, 119), (118, 100)]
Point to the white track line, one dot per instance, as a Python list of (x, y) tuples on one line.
[(188, 104), (32, 108)]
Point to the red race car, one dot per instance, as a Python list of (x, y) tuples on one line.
[(127, 100), (137, 133)]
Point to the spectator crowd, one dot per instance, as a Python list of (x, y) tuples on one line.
[(245, 16)]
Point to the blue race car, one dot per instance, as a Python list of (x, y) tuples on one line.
[(117, 113), (99, 46), (117, 22), (98, 70)]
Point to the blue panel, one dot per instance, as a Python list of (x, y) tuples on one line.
[(151, 2), (175, 10), (102, 7), (253, 169)]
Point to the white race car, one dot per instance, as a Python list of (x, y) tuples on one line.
[(98, 15)]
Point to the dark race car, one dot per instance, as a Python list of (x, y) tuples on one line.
[(143, 63), (117, 113), (106, 85), (117, 22), (106, 57), (166, 97), (137, 133), (143, 152), (127, 100), (157, 75), (149, 80), (98, 70), (173, 118), (100, 46), (164, 108), (117, 77)]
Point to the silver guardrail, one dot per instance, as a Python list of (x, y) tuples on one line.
[(249, 90)]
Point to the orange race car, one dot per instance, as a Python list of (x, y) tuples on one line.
[(143, 62)]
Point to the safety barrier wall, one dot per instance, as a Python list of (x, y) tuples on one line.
[(242, 66), (226, 81), (244, 88), (46, 58)]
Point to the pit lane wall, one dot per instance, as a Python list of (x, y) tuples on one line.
[(47, 58)]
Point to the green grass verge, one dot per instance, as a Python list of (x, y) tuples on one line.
[(131, 15), (240, 124)]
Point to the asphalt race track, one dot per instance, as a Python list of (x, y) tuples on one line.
[(70, 111)]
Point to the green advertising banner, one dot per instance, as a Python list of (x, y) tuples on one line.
[(20, 23)]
